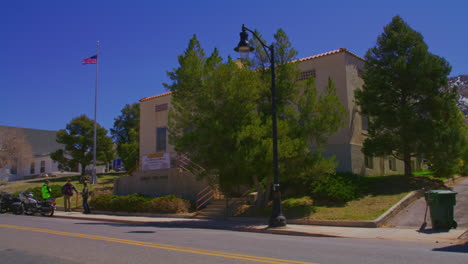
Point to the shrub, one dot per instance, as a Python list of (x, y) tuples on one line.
[(169, 204), (298, 207), (140, 203), (337, 187)]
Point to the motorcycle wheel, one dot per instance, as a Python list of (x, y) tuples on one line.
[(19, 210), (28, 212), (50, 213)]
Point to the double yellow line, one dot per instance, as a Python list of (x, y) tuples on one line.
[(160, 246)]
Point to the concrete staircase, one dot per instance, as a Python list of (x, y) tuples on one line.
[(216, 209)]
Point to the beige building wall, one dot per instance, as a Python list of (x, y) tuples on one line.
[(342, 66), (150, 120), (154, 114)]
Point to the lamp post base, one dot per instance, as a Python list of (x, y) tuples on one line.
[(277, 221)]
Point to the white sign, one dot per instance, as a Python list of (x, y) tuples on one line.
[(156, 161)]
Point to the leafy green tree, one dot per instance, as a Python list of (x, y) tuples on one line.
[(126, 134), (447, 148), (78, 140), (405, 96), (221, 117)]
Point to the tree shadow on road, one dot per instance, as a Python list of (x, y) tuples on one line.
[(208, 224), (433, 231), (462, 248)]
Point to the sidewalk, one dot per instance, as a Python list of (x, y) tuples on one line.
[(453, 236)]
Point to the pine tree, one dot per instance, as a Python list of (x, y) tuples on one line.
[(405, 95), (221, 118)]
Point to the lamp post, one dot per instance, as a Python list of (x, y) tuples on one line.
[(277, 218)]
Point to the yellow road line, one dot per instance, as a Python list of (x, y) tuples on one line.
[(160, 246)]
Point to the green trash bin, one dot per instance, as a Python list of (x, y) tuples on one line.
[(441, 203)]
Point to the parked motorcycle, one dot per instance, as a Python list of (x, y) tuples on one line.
[(32, 206), (10, 203)]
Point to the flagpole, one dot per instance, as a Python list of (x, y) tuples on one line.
[(94, 178)]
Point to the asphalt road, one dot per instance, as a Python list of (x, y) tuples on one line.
[(26, 239), (413, 215)]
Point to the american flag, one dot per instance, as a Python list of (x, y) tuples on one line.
[(90, 60)]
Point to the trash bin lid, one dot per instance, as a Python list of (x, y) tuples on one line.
[(441, 192)]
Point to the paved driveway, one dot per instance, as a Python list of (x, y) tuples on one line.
[(413, 215)]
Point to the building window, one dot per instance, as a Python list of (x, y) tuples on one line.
[(369, 161), (42, 166), (392, 164), (364, 122), (33, 168), (414, 166), (360, 72), (13, 170), (160, 107), (161, 139), (306, 75)]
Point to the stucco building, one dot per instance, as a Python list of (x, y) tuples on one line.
[(34, 159), (342, 66)]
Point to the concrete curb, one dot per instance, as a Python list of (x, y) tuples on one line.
[(398, 207), (185, 215), (379, 222), (266, 230)]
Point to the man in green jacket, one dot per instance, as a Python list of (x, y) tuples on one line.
[(46, 190)]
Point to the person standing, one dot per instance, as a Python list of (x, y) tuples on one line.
[(67, 191), (46, 190), (85, 196)]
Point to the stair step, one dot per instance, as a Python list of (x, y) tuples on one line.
[(208, 214), (209, 217), (212, 209), (218, 202)]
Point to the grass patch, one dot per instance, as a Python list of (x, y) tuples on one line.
[(367, 208), (105, 185), (376, 195)]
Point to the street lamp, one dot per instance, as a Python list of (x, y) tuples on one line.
[(277, 218)]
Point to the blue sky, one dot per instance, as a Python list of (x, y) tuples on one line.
[(42, 44)]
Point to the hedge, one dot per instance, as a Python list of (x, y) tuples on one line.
[(140, 203)]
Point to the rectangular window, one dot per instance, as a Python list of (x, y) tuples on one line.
[(369, 162), (160, 107), (306, 75), (392, 164), (413, 166), (161, 139), (33, 168), (364, 122), (360, 72), (42, 166)]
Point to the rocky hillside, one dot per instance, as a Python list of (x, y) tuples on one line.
[(462, 83)]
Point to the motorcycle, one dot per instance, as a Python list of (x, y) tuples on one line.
[(8, 202), (32, 206)]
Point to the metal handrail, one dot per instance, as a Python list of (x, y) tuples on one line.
[(207, 191)]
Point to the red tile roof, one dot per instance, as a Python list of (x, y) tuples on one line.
[(154, 96), (329, 53), (298, 60)]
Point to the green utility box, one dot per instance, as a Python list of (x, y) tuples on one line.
[(441, 203)]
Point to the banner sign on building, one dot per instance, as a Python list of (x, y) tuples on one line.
[(156, 161)]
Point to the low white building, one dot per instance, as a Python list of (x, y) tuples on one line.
[(37, 161)]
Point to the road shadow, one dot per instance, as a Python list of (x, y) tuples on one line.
[(462, 248), (433, 231), (208, 224)]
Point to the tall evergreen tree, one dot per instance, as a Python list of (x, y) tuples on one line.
[(221, 117), (405, 95)]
